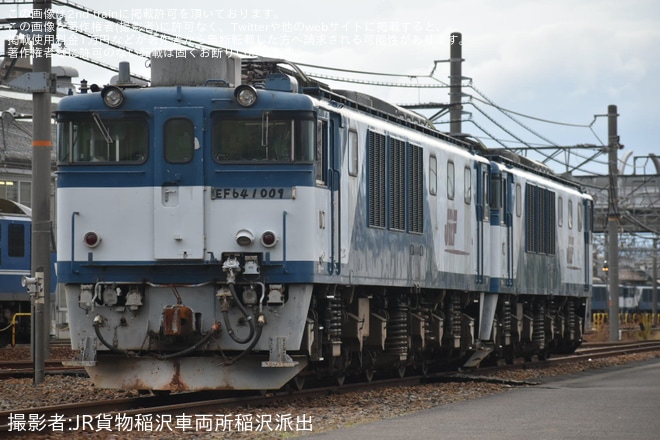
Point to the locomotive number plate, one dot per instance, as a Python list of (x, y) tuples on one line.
[(252, 193)]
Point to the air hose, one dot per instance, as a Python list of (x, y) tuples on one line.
[(244, 312)]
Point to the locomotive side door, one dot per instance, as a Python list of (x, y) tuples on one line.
[(178, 183), (329, 156), (588, 226), (483, 215), (507, 198)]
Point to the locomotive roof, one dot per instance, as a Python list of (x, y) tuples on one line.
[(512, 159), (9, 207), (256, 72), (175, 96), (255, 69)]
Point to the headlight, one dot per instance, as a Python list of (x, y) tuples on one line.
[(112, 96), (244, 237), (245, 95)]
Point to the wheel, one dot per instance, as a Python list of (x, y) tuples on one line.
[(401, 371), (368, 362), (340, 380)]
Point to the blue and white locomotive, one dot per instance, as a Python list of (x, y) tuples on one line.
[(238, 226)]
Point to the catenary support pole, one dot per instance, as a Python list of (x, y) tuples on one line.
[(654, 283), (613, 223), (41, 153), (455, 78)]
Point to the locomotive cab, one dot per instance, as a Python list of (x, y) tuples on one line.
[(220, 178)]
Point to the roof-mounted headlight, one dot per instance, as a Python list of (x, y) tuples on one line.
[(245, 95), (112, 96)]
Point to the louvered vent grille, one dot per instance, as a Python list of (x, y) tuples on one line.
[(416, 189), (540, 220), (397, 184), (377, 180)]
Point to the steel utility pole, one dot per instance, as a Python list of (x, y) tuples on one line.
[(613, 223), (42, 34), (455, 78), (654, 296)]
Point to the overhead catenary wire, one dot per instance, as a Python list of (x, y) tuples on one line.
[(548, 121), (509, 114), (193, 44), (487, 133), (559, 149), (573, 161), (374, 83), (362, 72), (485, 100)]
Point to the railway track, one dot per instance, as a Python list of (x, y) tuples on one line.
[(18, 364), (17, 369), (604, 349), (92, 415)]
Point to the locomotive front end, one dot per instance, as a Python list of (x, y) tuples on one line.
[(178, 209)]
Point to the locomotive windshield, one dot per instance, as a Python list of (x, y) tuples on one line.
[(101, 139), (269, 136)]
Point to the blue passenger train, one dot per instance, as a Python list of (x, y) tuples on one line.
[(15, 263), (15, 242), (237, 225), (632, 299)]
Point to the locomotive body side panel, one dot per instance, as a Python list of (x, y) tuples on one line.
[(437, 249), (550, 252)]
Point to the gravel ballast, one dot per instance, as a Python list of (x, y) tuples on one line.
[(282, 420)]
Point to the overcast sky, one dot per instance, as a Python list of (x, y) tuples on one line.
[(561, 61)]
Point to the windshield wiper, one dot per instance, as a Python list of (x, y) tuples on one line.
[(104, 130)]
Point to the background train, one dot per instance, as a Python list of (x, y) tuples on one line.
[(15, 244), (632, 298), (15, 239), (239, 226)]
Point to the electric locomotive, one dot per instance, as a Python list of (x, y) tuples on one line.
[(239, 226)]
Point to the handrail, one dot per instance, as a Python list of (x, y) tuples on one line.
[(284, 214), (13, 326), (73, 233)]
